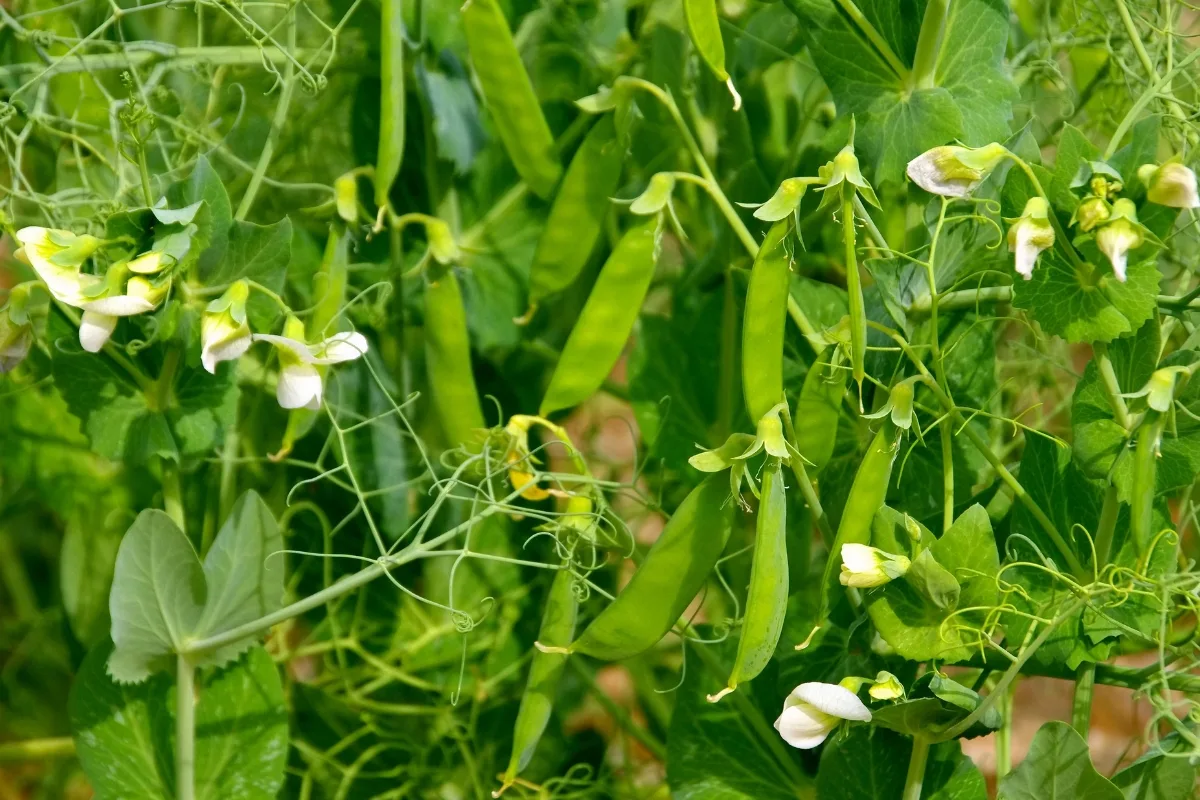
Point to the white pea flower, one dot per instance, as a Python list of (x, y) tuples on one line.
[(1120, 234), (301, 384), (1030, 235), (865, 567), (224, 332), (101, 314), (56, 257), (813, 710), (953, 171), (1159, 391), (1171, 184)]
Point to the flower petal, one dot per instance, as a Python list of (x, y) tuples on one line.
[(229, 349), (832, 699), (299, 387), (340, 347), (859, 557), (95, 329), (804, 727), (298, 349), (121, 305)]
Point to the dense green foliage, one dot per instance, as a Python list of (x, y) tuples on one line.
[(400, 400)]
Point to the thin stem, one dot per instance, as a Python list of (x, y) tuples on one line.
[(965, 298), (1081, 706), (34, 749), (1106, 527), (173, 493), (727, 376), (185, 729), (1135, 38), (1140, 104), (1004, 734), (1112, 387), (881, 46), (281, 111), (806, 487), (929, 44), (144, 170), (916, 768)]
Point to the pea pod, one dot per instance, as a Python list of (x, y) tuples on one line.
[(391, 99), (763, 324), (575, 218), (819, 410), (670, 576), (858, 312), (766, 603), (1145, 476), (509, 95), (558, 628), (704, 26), (448, 360), (607, 318), (867, 495)]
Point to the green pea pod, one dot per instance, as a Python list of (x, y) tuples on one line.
[(577, 214), (670, 576), (766, 603), (1145, 476), (509, 95), (867, 495), (329, 284), (448, 360), (764, 322), (704, 26), (854, 294), (819, 410), (607, 318), (391, 99), (558, 628)]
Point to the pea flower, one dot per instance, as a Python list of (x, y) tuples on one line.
[(1159, 391), (101, 314), (1171, 184), (301, 384), (729, 456), (813, 710), (954, 171), (886, 687), (1092, 211), (56, 256), (844, 169), (1120, 234), (1030, 235), (224, 332), (784, 202), (442, 246), (899, 405), (865, 567), (519, 459), (769, 436), (657, 195)]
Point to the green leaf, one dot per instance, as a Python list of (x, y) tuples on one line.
[(162, 596), (971, 97), (869, 762), (1088, 308), (456, 126), (124, 735), (259, 253), (204, 184), (1058, 766), (910, 622), (1157, 775), (85, 569)]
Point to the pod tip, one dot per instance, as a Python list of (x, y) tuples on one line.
[(546, 648), (808, 640), (737, 98), (712, 698), (525, 318)]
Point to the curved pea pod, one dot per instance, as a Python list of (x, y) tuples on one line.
[(704, 27), (1145, 477), (509, 95), (867, 495), (578, 212), (670, 576), (607, 318), (763, 324), (766, 603), (448, 360), (819, 410), (391, 99), (558, 628)]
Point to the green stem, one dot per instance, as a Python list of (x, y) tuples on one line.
[(1140, 104), (15, 578), (916, 768), (185, 729), (1135, 38), (881, 46), (173, 493), (144, 169), (806, 486), (1106, 527), (965, 298), (1081, 706), (281, 111), (727, 377), (35, 749), (163, 54), (858, 313), (1131, 678), (1112, 387), (929, 44), (1004, 734)]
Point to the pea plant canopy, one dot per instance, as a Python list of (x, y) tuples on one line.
[(378, 372)]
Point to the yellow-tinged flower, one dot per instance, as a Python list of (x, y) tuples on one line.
[(1159, 391), (954, 171), (100, 314), (442, 246), (844, 169), (519, 459), (345, 196), (56, 256), (813, 710), (899, 405), (1030, 235), (1171, 184), (886, 687), (865, 567), (1092, 211), (784, 202), (769, 436), (224, 330), (1120, 234), (301, 384)]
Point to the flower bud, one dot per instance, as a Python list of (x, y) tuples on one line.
[(1171, 184), (953, 171), (150, 263), (345, 196), (899, 405), (1159, 391), (865, 567), (1092, 211), (1030, 235), (887, 687), (657, 194), (1120, 234), (784, 202), (844, 169), (442, 246), (16, 332), (224, 331), (813, 710)]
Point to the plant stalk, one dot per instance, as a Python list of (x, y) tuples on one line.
[(916, 768), (929, 44), (185, 729), (1081, 706)]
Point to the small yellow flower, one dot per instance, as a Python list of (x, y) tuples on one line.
[(1171, 184), (954, 171)]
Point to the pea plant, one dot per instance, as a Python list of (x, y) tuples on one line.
[(596, 398)]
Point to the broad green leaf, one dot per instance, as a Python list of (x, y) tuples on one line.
[(495, 280), (1159, 775), (204, 184), (456, 127), (869, 762), (125, 735), (971, 96), (1058, 765), (1092, 307), (909, 621), (259, 253)]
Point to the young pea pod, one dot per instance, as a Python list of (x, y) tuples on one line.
[(391, 99), (764, 322), (448, 360), (558, 628), (867, 495), (607, 318), (509, 95), (818, 412), (577, 214), (670, 576), (1145, 476), (766, 603), (704, 26)]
